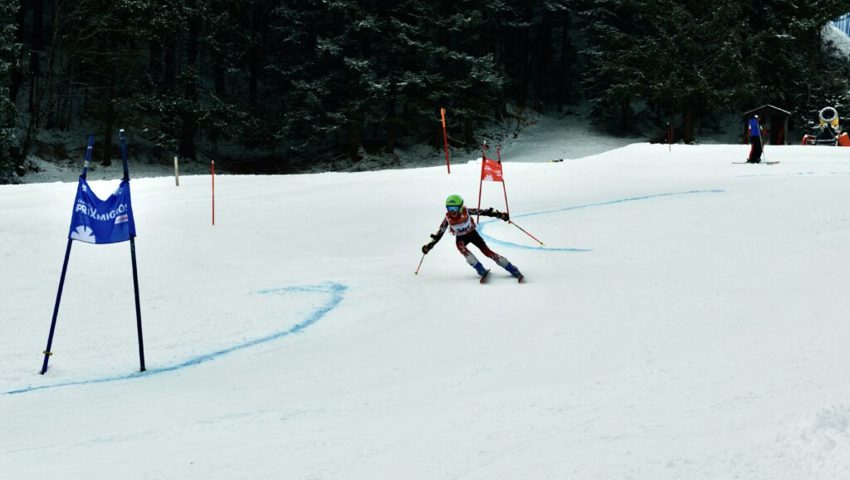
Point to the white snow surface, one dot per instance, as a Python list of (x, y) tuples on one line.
[(685, 318)]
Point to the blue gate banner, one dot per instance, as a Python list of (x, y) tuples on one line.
[(102, 221)]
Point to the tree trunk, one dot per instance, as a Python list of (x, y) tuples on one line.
[(254, 53), (17, 73), (155, 66), (109, 113), (108, 126), (391, 119), (35, 53), (189, 124), (169, 73), (219, 83), (522, 57), (625, 115), (392, 137), (355, 140), (688, 124), (567, 59)]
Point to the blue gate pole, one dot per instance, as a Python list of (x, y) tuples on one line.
[(123, 138), (47, 351), (138, 307)]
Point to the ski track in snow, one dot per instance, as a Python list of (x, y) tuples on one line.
[(336, 294), (483, 225)]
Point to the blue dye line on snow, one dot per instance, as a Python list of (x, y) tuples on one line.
[(577, 207), (335, 290), (792, 174)]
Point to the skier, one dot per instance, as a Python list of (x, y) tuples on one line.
[(755, 140), (459, 220)]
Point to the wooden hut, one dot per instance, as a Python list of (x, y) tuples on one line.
[(774, 120)]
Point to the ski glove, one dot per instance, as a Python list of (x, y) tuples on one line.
[(504, 216), (427, 247)]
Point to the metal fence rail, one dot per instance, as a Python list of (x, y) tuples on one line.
[(843, 23)]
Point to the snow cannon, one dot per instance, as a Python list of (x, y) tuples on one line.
[(828, 115), (828, 131)]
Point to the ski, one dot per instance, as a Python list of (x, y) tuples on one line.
[(486, 277), (483, 278)]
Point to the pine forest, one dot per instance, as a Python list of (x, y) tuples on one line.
[(276, 85)]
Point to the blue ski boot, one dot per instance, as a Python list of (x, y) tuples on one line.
[(481, 271), (514, 271)]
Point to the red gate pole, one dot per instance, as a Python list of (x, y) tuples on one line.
[(445, 139), (504, 188), (481, 177)]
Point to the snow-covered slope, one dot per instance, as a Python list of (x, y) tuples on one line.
[(686, 318)]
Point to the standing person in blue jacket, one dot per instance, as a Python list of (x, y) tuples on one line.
[(756, 145)]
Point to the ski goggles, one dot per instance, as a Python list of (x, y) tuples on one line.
[(453, 208)]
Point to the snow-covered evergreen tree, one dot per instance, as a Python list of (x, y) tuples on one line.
[(307, 80), (366, 73), (688, 59), (9, 162)]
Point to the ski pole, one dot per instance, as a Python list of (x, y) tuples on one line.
[(420, 265), (523, 231)]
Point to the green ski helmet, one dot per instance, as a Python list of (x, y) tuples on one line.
[(454, 203)]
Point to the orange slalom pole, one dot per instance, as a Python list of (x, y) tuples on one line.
[(445, 139)]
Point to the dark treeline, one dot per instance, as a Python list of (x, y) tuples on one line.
[(290, 82)]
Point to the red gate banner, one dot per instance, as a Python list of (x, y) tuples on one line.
[(491, 170)]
